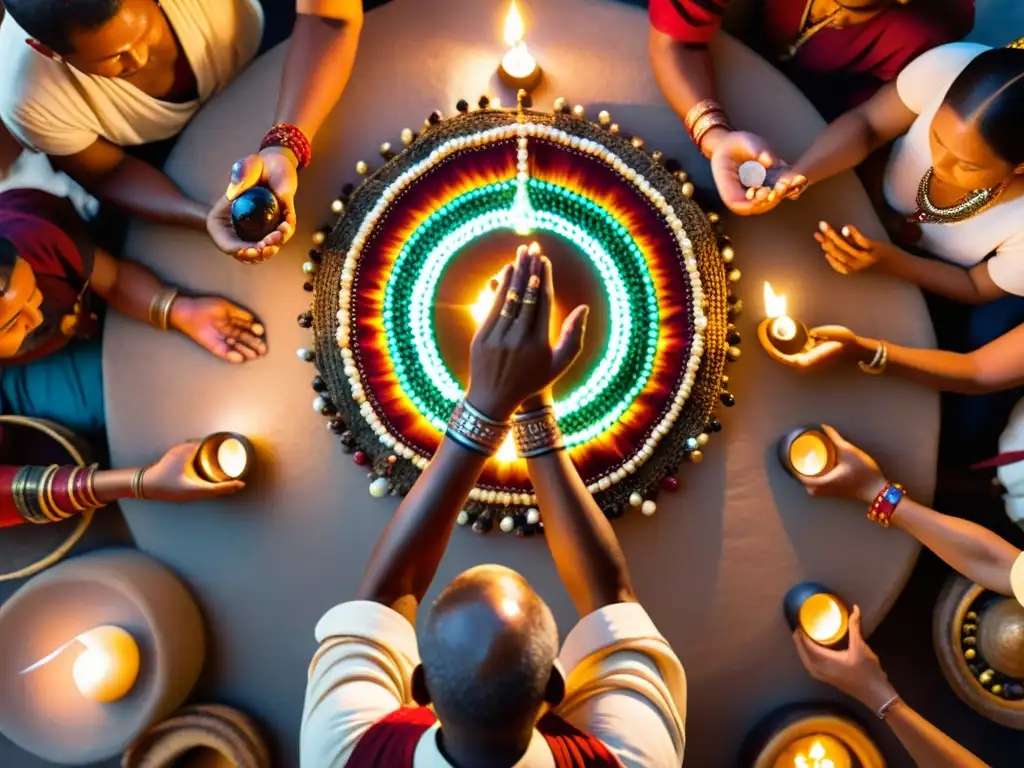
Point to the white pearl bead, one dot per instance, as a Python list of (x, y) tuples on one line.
[(532, 516), (475, 494), (379, 487), (302, 353), (649, 508), (635, 500), (318, 403), (337, 206), (702, 439), (507, 524), (463, 518)]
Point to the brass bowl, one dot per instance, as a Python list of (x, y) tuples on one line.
[(805, 722), (979, 640)]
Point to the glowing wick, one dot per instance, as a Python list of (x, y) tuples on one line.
[(518, 62), (484, 301), (507, 453), (108, 666), (823, 619), (783, 328), (232, 458), (809, 454)]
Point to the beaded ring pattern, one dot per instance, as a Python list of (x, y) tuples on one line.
[(647, 404)]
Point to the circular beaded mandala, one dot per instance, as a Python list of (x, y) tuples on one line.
[(399, 280)]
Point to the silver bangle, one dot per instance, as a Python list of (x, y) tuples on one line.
[(476, 431), (883, 711)]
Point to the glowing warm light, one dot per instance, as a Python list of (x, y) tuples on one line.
[(518, 62), (824, 619), (232, 458), (107, 667), (809, 454), (484, 301), (820, 751), (774, 304), (783, 328), (507, 452)]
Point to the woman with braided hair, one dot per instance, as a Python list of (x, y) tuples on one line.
[(955, 180)]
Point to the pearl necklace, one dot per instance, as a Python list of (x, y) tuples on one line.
[(967, 206)]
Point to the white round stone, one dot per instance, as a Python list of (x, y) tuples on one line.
[(463, 518), (379, 487), (507, 524), (649, 508), (636, 500), (532, 516), (752, 174)]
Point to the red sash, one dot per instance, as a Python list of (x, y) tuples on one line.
[(391, 742)]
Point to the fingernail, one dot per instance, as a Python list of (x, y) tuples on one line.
[(771, 197), (823, 226), (236, 172), (846, 231), (258, 329), (534, 248)]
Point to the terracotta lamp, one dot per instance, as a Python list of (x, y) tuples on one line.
[(518, 68), (807, 452), (778, 330), (225, 456), (823, 616), (810, 736)]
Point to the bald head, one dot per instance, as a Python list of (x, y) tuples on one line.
[(488, 650)]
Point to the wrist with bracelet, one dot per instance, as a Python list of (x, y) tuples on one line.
[(536, 433), (880, 359), (290, 137), (883, 508), (476, 431), (160, 308), (54, 493), (702, 119)]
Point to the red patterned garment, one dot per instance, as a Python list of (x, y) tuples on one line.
[(391, 742)]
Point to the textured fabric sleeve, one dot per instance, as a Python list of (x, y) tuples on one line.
[(331, 9), (689, 21), (931, 74), (626, 686), (361, 672), (1017, 578), (1006, 268)]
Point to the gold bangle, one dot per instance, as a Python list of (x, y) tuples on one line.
[(137, 480), (877, 366), (160, 307), (54, 506), (90, 488), (78, 506), (43, 482), (19, 486), (165, 318), (699, 110), (706, 125)]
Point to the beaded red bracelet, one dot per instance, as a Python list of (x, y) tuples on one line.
[(884, 506), (290, 137)]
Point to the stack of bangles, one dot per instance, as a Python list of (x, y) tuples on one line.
[(877, 365), (883, 508), (702, 118), (160, 308), (535, 433), (291, 138), (50, 494)]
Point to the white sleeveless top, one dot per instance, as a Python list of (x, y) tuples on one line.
[(1000, 229), (53, 108)]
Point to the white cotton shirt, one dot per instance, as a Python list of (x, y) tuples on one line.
[(922, 86), (625, 686), (55, 109)]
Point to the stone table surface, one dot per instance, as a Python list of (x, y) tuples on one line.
[(711, 566)]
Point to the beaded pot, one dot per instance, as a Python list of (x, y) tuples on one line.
[(404, 275)]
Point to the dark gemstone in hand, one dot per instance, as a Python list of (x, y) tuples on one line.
[(305, 320), (714, 425), (462, 105), (728, 399), (336, 425), (319, 385), (734, 337), (255, 214)]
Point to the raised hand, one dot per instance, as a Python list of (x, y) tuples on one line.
[(512, 357), (274, 168), (856, 475), (848, 251), (734, 150), (225, 329), (174, 478)]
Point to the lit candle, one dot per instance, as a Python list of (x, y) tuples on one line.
[(818, 612), (779, 330), (107, 667), (518, 67), (807, 453), (224, 456), (816, 751), (484, 301)]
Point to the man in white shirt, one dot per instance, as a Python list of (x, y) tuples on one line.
[(81, 81), (485, 656)]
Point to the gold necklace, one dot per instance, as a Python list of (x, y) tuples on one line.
[(806, 32), (967, 206)]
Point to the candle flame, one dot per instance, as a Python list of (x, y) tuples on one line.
[(817, 751), (507, 453), (515, 29), (484, 301), (774, 304)]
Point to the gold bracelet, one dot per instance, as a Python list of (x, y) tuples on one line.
[(78, 505), (705, 125), (44, 483), (90, 487), (699, 110), (160, 307), (48, 487), (537, 433), (877, 365), (137, 480)]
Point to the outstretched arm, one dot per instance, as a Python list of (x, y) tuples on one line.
[(976, 552), (583, 545)]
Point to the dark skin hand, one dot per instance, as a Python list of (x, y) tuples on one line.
[(509, 361)]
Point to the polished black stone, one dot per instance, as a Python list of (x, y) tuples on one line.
[(462, 105), (316, 255), (327, 408), (336, 425), (319, 385), (348, 440), (483, 523), (734, 337), (714, 425), (255, 214), (435, 117), (307, 287), (305, 320), (728, 399), (484, 102)]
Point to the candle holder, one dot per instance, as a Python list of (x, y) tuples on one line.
[(807, 452), (784, 334), (818, 612), (518, 80), (811, 731), (518, 70), (225, 456)]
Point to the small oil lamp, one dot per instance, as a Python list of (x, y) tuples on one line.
[(818, 612), (807, 452), (107, 666), (224, 456), (778, 330), (518, 68)]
